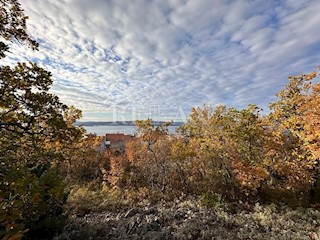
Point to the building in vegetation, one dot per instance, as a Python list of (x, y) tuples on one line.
[(117, 140)]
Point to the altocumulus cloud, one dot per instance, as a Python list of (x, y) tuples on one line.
[(164, 57)]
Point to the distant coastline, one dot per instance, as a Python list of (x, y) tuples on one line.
[(121, 123)]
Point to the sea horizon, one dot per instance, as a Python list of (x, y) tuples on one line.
[(101, 130)]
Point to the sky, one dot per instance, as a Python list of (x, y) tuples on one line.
[(127, 60)]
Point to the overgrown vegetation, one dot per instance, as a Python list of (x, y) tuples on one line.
[(240, 154), (211, 180), (189, 219), (38, 141)]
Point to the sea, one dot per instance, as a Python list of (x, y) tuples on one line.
[(129, 130)]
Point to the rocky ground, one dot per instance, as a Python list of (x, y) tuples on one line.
[(189, 220)]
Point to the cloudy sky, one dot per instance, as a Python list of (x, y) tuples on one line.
[(122, 60)]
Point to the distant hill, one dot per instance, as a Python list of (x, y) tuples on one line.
[(121, 123)]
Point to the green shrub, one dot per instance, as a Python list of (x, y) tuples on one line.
[(83, 199), (31, 202), (212, 200)]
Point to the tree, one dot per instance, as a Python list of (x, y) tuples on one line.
[(249, 137), (310, 117), (292, 159), (13, 26), (208, 132), (150, 132), (35, 131), (150, 154)]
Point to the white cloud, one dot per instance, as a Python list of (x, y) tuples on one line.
[(173, 54)]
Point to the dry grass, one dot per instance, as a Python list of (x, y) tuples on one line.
[(184, 219)]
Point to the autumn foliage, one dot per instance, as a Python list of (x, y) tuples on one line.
[(240, 154), (40, 148)]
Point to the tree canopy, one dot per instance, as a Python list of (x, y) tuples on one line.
[(36, 131)]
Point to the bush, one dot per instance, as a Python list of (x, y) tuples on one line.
[(83, 200), (212, 200), (31, 203)]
